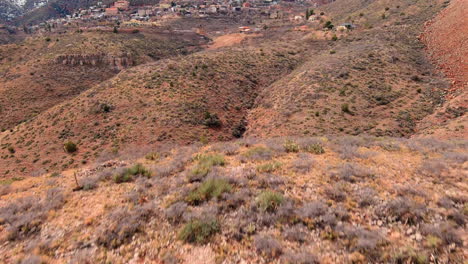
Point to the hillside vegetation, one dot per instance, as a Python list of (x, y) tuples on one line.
[(282, 200), (47, 70)]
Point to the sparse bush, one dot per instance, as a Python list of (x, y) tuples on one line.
[(258, 153), (303, 257), (445, 232), (315, 148), (122, 223), (345, 109), (433, 167), (405, 210), (457, 218), (175, 212), (70, 147), (89, 183), (269, 167), (291, 146), (337, 193), (365, 241), (297, 233), (210, 188), (269, 201), (303, 163), (239, 130), (25, 216), (199, 231), (267, 246), (313, 210), (127, 174), (352, 172), (212, 120), (152, 156), (11, 150), (205, 163), (367, 197), (226, 148)]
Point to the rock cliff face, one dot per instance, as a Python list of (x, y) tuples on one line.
[(118, 62)]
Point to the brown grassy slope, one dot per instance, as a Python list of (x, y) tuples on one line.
[(363, 200), (32, 81), (446, 37), (163, 101), (374, 80)]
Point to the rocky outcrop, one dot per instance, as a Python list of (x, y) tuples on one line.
[(118, 62)]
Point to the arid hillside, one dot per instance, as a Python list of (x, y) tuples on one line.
[(289, 79), (204, 96), (447, 44), (43, 71), (375, 79), (283, 200)]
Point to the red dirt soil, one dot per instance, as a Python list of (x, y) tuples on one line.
[(446, 37)]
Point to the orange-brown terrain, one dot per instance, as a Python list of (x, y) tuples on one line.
[(303, 142)]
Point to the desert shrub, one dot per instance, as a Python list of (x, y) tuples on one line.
[(127, 174), (210, 188), (32, 259), (25, 216), (269, 167), (352, 172), (152, 156), (445, 232), (70, 147), (445, 202), (433, 167), (315, 148), (410, 190), (456, 157), (303, 163), (404, 209), (337, 192), (267, 246), (345, 108), (225, 148), (296, 233), (457, 218), (175, 212), (239, 130), (366, 197), (122, 223), (269, 201), (302, 257), (362, 240), (291, 146), (409, 255), (313, 210), (205, 163), (258, 153), (212, 120), (199, 231), (89, 183)]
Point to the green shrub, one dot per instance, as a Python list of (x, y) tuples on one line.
[(269, 167), (127, 174), (269, 200), (70, 147), (206, 162), (152, 156), (258, 153), (335, 38), (211, 188), (199, 231), (314, 148), (291, 146), (345, 108), (211, 120), (11, 150)]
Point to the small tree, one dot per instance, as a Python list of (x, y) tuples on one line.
[(70, 147), (115, 30)]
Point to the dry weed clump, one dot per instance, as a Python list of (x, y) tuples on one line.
[(25, 216), (122, 223)]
